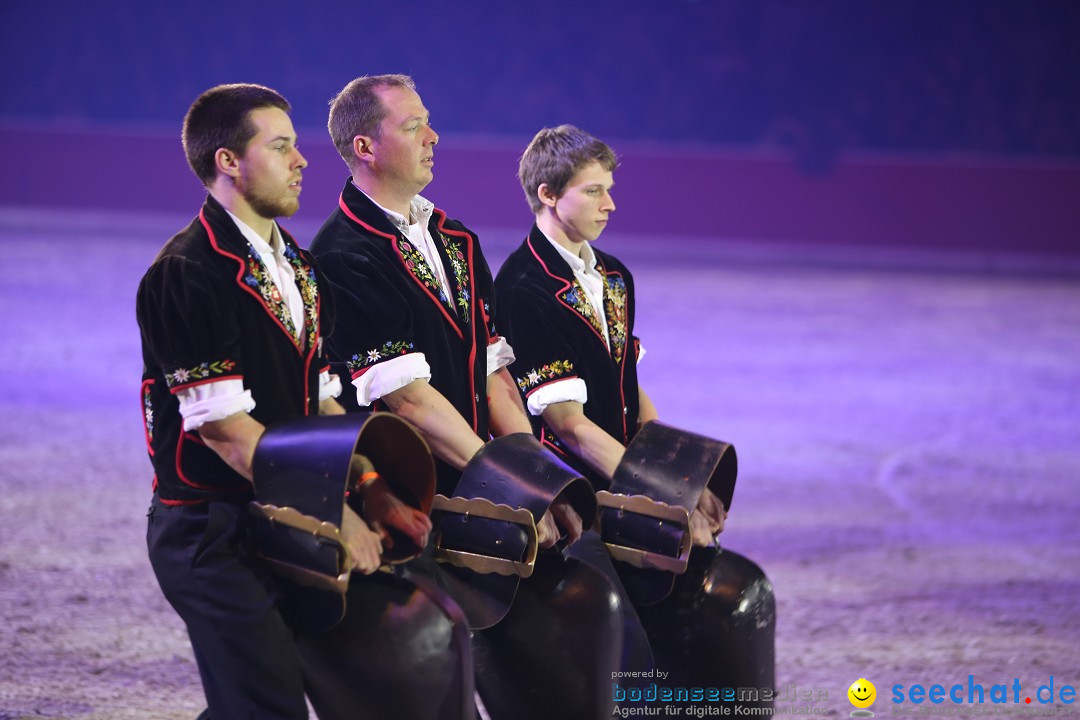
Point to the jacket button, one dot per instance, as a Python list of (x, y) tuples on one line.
[(476, 397), (625, 410)]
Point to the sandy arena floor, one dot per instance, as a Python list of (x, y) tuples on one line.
[(909, 445)]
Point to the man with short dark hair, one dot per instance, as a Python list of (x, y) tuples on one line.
[(232, 318)]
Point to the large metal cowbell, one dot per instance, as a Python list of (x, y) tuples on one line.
[(645, 514), (301, 470), (485, 535), (710, 614)]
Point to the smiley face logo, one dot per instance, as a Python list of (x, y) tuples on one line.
[(862, 693)]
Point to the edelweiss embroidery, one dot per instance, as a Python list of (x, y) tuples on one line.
[(551, 371), (615, 310), (361, 361), (258, 279), (575, 297), (417, 265), (461, 274), (309, 293), (204, 371), (487, 319), (148, 412)]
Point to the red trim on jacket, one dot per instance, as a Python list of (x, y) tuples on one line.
[(565, 287), (394, 240), (240, 279), (180, 472), (472, 316), (626, 340), (181, 503), (625, 354), (311, 352), (559, 452), (549, 382), (185, 386), (296, 343)]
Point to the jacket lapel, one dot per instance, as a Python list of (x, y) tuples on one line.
[(361, 210), (566, 288), (456, 257), (614, 310), (308, 286), (254, 277)]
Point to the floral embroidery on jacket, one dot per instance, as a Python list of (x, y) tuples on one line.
[(416, 264), (309, 293), (615, 310), (487, 319), (361, 361), (461, 274), (148, 411), (259, 279), (538, 376), (203, 371), (575, 297)]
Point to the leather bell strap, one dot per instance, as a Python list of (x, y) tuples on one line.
[(644, 516), (489, 525)]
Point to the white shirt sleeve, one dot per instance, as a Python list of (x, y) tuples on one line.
[(386, 377), (641, 352), (329, 385), (555, 392), (499, 355), (206, 402)]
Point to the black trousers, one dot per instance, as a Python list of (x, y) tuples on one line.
[(202, 557)]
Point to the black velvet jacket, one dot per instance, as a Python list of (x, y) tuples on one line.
[(208, 310), (548, 320), (389, 304)]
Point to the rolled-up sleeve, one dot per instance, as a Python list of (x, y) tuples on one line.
[(570, 389), (499, 354), (394, 374)]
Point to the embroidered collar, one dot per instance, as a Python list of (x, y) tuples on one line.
[(573, 294), (416, 261), (455, 299), (255, 277)]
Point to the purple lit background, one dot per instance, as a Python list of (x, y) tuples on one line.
[(854, 229)]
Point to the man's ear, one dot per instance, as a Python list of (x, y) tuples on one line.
[(545, 195), (227, 162), (362, 150)]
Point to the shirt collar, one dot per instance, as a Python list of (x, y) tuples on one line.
[(586, 263), (420, 208), (275, 247)]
